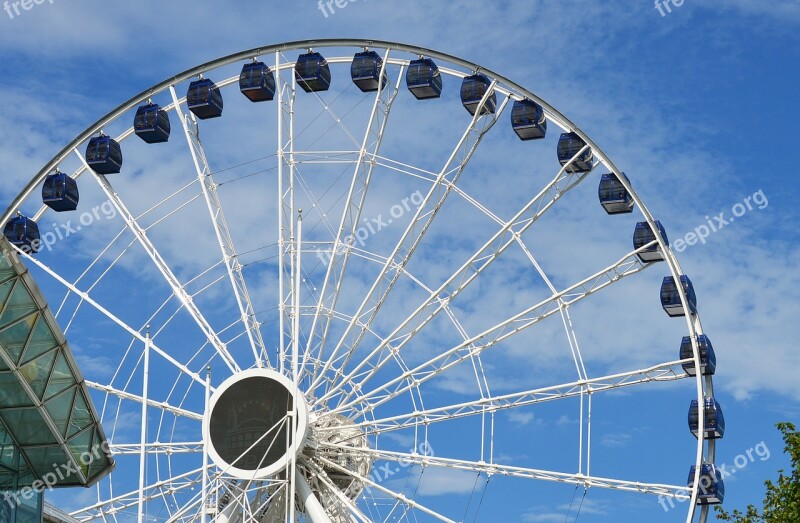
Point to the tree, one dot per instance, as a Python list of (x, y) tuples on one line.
[(782, 499)]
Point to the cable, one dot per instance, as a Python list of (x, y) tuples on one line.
[(474, 486), (483, 495), (566, 518), (585, 491)]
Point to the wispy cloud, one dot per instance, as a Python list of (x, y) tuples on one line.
[(520, 418), (547, 514)]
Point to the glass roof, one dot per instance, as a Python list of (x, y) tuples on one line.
[(49, 429)]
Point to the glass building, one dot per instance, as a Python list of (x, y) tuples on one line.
[(50, 434)]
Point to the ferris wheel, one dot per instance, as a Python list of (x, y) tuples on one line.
[(355, 289)]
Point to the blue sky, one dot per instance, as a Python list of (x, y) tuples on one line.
[(695, 105)]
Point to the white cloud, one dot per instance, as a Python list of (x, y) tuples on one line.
[(437, 481), (615, 440), (520, 418), (588, 507)]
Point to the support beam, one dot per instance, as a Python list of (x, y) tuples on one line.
[(143, 439), (507, 235), (314, 509), (626, 266), (401, 254), (671, 371), (177, 289), (491, 469), (351, 216), (286, 165), (224, 239)]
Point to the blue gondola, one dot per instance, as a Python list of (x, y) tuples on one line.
[(528, 120), (712, 488), (708, 360), (365, 71), (642, 235), (713, 422), (423, 79), (569, 144), (204, 99), (104, 155), (614, 197), (473, 89), (671, 299), (151, 123), (257, 82), (60, 192), (24, 233), (312, 72)]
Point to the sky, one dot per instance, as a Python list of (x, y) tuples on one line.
[(689, 98)]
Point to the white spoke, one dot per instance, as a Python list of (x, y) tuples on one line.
[(163, 268), (659, 373), (157, 448), (415, 231), (224, 239), (351, 215), (130, 499), (469, 271), (286, 216), (399, 497), (492, 469), (626, 266), (85, 297), (320, 475)]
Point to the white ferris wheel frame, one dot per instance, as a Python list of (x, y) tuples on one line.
[(291, 230)]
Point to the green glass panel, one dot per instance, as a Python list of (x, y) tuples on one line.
[(28, 426), (81, 417), (59, 409), (19, 305), (98, 466), (6, 269), (37, 371), (101, 463), (48, 459), (24, 469), (8, 450), (8, 479), (30, 508), (41, 341), (5, 290), (79, 445), (11, 392), (14, 337), (61, 377), (26, 479), (9, 455)]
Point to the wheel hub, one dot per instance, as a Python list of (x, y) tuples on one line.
[(252, 425)]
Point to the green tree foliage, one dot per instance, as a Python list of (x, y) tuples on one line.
[(782, 499)]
